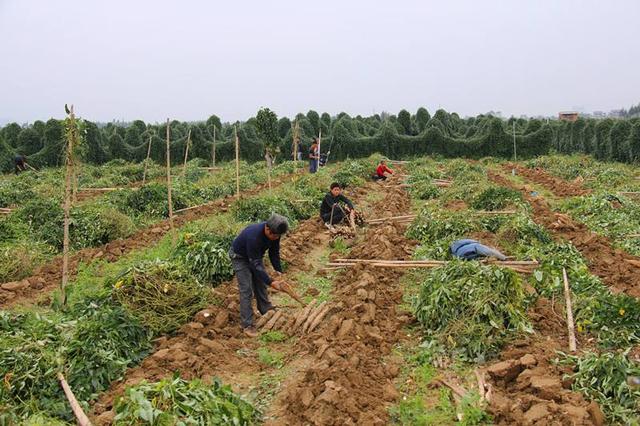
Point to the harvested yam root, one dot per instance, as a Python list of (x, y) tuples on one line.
[(304, 321)]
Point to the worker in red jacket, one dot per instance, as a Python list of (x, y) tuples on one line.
[(381, 170)]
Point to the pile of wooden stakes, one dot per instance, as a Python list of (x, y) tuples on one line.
[(5, 211), (410, 217), (522, 266)]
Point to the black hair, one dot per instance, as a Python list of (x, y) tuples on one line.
[(335, 185)]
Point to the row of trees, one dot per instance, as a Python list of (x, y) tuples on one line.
[(267, 136)]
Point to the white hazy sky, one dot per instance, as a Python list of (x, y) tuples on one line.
[(188, 59)]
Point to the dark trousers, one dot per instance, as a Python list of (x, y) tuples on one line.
[(249, 285), (313, 165), (338, 217), (376, 177)]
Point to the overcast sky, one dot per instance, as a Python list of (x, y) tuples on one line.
[(188, 59)]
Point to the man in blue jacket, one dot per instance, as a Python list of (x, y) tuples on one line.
[(246, 255)]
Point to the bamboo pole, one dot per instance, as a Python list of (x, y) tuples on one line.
[(319, 151), (99, 189), (146, 161), (82, 418), (295, 143), (170, 201), (186, 155), (74, 180), (213, 149), (567, 299), (72, 136), (237, 162)]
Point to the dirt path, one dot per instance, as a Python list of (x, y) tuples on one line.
[(47, 278), (559, 187), (347, 369), (618, 269)]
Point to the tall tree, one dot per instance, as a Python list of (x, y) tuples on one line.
[(267, 126), (422, 118), (404, 118)]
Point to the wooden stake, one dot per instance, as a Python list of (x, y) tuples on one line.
[(213, 148), (146, 161), (567, 298), (481, 384), (72, 136), (295, 144), (237, 162), (319, 142), (83, 420), (74, 180), (186, 155), (169, 180)]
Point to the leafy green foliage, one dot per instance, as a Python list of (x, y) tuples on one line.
[(471, 309), (495, 198), (603, 377), (176, 401), (92, 344), (613, 216), (151, 200), (206, 256), (161, 294)]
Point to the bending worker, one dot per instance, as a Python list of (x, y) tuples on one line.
[(381, 170), (246, 255), (331, 211)]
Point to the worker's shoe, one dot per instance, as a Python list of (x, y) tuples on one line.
[(250, 332)]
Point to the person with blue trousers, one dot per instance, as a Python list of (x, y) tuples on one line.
[(472, 249), (314, 155)]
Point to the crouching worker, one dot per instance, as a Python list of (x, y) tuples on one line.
[(331, 211), (246, 255), (472, 249), (381, 171)]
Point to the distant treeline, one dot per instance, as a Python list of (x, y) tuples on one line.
[(396, 136)]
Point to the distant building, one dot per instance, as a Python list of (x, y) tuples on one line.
[(568, 115)]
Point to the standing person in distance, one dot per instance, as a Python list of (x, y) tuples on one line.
[(314, 155), (246, 254)]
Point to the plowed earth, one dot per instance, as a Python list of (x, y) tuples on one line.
[(339, 373), (559, 187)]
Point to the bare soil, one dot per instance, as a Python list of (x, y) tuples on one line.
[(559, 187)]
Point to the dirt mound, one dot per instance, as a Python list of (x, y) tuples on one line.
[(526, 388), (617, 269), (47, 278), (559, 187), (350, 380)]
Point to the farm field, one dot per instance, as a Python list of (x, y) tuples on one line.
[(394, 330)]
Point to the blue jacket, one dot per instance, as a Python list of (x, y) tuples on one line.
[(251, 244), (471, 249)]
